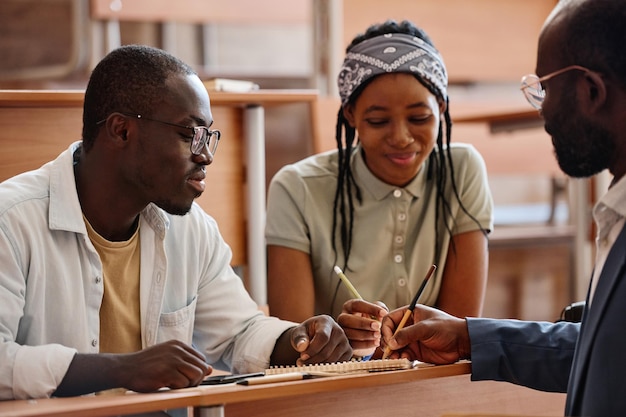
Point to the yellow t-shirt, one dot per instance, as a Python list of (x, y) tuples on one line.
[(120, 320)]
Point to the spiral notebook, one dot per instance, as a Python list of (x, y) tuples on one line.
[(348, 367)]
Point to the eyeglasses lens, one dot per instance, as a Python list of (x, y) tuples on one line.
[(202, 137), (533, 91)]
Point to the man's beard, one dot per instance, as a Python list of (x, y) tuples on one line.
[(173, 209), (582, 149)]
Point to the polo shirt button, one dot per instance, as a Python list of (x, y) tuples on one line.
[(402, 217), (402, 282), (399, 239), (397, 259), (397, 193)]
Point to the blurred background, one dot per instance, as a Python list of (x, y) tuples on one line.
[(541, 249)]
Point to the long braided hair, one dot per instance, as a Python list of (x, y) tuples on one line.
[(439, 164)]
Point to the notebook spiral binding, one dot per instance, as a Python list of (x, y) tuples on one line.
[(354, 366)]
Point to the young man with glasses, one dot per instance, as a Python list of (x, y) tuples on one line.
[(111, 275), (581, 94)]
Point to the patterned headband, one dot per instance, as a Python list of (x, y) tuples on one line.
[(392, 52)]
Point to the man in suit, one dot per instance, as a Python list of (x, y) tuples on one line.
[(580, 91)]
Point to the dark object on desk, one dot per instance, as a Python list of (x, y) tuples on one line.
[(573, 312), (269, 379), (229, 379)]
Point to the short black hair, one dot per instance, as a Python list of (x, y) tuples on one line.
[(595, 31), (129, 79)]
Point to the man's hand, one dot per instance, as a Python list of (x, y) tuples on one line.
[(172, 364), (360, 320), (316, 340), (429, 335)]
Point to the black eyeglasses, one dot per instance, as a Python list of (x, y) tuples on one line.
[(202, 135)]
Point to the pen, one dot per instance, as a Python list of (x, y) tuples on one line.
[(347, 282), (409, 311), (268, 379), (229, 379)]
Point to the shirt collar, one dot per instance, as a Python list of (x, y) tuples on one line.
[(612, 206), (380, 189), (65, 211)]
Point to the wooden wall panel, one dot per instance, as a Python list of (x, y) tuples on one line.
[(481, 40)]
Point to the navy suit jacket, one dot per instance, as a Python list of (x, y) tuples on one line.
[(587, 360)]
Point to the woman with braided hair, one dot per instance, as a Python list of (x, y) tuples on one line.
[(394, 198)]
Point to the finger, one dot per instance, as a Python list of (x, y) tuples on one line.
[(337, 350), (363, 338), (363, 308), (300, 339), (318, 331), (193, 371), (327, 342), (351, 321), (390, 322), (362, 335), (383, 306), (184, 378)]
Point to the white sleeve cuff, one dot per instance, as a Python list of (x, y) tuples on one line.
[(38, 370)]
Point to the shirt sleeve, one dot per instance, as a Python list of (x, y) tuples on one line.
[(25, 371), (286, 223), (537, 355), (229, 327), (473, 188), (40, 369)]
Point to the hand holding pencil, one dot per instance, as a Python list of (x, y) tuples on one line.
[(430, 335), (360, 320), (411, 307)]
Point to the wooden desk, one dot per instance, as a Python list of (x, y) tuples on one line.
[(427, 392), (35, 126)]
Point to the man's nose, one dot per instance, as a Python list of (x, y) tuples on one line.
[(205, 157)]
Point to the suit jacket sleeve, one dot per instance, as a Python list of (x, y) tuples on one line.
[(537, 355)]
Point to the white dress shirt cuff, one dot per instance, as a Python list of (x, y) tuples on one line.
[(39, 370)]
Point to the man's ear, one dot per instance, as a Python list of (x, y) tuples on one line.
[(592, 91), (117, 127), (348, 113)]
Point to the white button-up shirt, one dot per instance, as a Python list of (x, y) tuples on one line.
[(609, 214), (51, 286)]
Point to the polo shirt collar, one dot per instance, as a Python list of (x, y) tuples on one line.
[(380, 189)]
